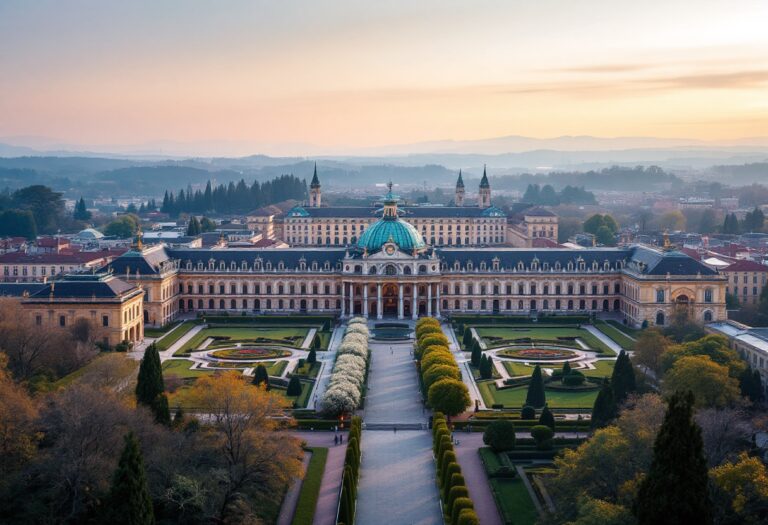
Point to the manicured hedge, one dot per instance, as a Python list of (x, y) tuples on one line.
[(510, 319), (451, 484), (351, 475)]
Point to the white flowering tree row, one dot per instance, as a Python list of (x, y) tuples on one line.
[(345, 389)]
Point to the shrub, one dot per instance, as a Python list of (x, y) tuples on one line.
[(423, 330), (448, 457), (260, 376), (449, 470), (547, 418), (294, 387), (566, 368), (458, 506), (356, 320), (536, 396), (437, 372), (575, 378), (468, 517), (433, 339), (442, 358), (455, 492), (312, 357), (500, 435), (528, 412), (427, 321), (434, 348), (543, 436)]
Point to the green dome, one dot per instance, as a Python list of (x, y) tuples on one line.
[(391, 229)]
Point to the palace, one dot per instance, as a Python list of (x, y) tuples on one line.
[(390, 271), (455, 225)]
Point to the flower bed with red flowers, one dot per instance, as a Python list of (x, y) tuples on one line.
[(250, 354), (540, 354)]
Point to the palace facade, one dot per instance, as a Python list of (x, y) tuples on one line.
[(392, 272), (456, 225)]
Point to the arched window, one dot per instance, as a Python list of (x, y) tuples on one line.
[(659, 318), (390, 269), (407, 270), (372, 270), (708, 316), (708, 296), (422, 268), (659, 296)]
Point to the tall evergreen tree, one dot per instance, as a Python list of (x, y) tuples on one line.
[(536, 396), (547, 418), (486, 367), (477, 353), (260, 376), (312, 357), (623, 378), (751, 385), (150, 381), (566, 368), (467, 338), (193, 228), (129, 502), (294, 386), (604, 410), (81, 212), (675, 489)]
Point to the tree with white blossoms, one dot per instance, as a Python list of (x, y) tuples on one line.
[(346, 385)]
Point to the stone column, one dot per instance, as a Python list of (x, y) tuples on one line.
[(400, 301), (365, 301), (437, 302), (343, 298), (379, 306), (415, 303), (429, 299), (351, 299)]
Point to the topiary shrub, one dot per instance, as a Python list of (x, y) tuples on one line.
[(458, 506), (449, 470), (448, 457), (542, 435), (468, 517), (443, 357), (437, 372), (547, 418), (500, 435), (294, 387), (575, 378), (528, 412), (455, 492)]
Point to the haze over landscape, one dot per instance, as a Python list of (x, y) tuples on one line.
[(351, 78)]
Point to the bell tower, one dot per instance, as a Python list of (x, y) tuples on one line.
[(459, 198), (484, 195), (314, 191)]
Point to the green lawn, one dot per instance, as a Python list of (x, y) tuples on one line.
[(542, 333), (603, 368), (181, 368), (302, 399), (310, 487), (517, 369), (171, 337), (515, 397), (276, 335), (617, 335), (634, 332), (309, 370), (325, 339)]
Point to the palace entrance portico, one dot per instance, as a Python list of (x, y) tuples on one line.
[(402, 299)]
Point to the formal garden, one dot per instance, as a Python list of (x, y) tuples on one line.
[(572, 360), (280, 352)]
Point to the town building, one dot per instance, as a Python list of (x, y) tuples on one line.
[(750, 343), (745, 280), (26, 267)]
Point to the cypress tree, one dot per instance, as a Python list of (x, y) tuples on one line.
[(194, 227), (751, 385), (566, 368), (312, 357), (150, 381), (161, 410), (294, 386), (129, 499), (536, 396), (477, 353), (260, 376), (547, 418), (675, 489), (623, 378), (604, 410)]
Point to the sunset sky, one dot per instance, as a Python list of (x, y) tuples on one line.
[(285, 76)]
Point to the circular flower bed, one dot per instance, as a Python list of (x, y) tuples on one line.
[(250, 354), (538, 354)]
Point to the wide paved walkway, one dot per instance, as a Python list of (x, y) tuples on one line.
[(397, 479)]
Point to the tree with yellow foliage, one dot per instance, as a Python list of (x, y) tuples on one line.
[(246, 426)]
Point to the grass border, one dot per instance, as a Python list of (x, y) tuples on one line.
[(309, 495)]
